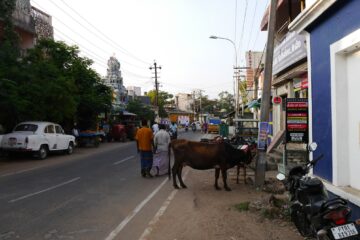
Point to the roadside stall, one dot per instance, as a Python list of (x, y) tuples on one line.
[(90, 138)]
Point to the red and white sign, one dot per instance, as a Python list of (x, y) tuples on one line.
[(276, 100)]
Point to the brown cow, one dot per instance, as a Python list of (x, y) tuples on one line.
[(203, 156)]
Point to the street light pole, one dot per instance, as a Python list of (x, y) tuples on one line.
[(236, 77)]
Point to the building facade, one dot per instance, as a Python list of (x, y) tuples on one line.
[(289, 63), (30, 24), (114, 79), (184, 102), (254, 61), (332, 29), (133, 91)]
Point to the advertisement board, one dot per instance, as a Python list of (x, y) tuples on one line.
[(297, 120), (262, 136), (291, 50)]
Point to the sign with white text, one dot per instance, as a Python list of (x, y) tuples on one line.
[(297, 127), (291, 50)]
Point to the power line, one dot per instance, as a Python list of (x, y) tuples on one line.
[(111, 41), (235, 20), (100, 59), (252, 25), (242, 31), (260, 29), (89, 30)]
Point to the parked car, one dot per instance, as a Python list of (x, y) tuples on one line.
[(40, 138)]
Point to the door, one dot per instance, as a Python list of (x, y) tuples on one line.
[(62, 141), (353, 65), (50, 136)]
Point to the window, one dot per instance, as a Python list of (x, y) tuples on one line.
[(26, 127), (58, 129), (50, 129)]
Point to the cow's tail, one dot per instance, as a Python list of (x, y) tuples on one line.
[(169, 154)]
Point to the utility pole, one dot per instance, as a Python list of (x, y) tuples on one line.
[(200, 93), (237, 74), (266, 92), (194, 105), (156, 83)]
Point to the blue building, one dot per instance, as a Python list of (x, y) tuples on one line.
[(332, 30)]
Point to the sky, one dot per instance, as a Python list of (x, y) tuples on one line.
[(174, 33)]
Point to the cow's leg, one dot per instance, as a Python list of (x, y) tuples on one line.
[(237, 173), (174, 173), (224, 176), (217, 174), (180, 177), (244, 173)]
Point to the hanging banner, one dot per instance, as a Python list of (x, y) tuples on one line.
[(297, 126)]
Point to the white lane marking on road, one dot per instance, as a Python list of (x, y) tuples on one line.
[(128, 218), (125, 159), (17, 172), (161, 212), (45, 190)]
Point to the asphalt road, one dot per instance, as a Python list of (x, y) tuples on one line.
[(92, 194)]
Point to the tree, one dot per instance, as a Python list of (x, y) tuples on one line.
[(142, 111), (164, 98), (10, 100), (226, 101), (69, 84), (52, 83)]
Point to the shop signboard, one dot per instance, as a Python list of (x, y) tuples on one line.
[(297, 126), (262, 135), (277, 100), (291, 50)]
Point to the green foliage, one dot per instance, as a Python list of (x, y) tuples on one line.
[(10, 38), (226, 101), (164, 98), (142, 111), (52, 83), (243, 92)]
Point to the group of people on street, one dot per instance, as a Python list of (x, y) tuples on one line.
[(153, 146)]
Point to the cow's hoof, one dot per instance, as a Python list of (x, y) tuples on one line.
[(176, 187), (183, 186), (228, 189), (217, 188)]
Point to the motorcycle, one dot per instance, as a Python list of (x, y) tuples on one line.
[(193, 127), (311, 210), (173, 134)]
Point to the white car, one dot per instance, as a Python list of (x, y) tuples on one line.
[(39, 138)]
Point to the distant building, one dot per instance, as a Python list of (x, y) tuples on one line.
[(115, 81), (253, 62), (184, 102), (133, 91), (30, 24)]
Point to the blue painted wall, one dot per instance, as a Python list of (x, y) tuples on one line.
[(337, 22)]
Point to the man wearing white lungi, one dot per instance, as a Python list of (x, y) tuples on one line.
[(161, 158)]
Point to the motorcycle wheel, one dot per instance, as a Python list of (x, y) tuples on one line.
[(301, 223)]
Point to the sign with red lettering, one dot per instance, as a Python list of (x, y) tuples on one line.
[(276, 100), (297, 126)]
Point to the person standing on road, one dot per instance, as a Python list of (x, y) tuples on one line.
[(173, 130), (75, 133), (144, 144), (155, 128), (205, 126), (161, 144)]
